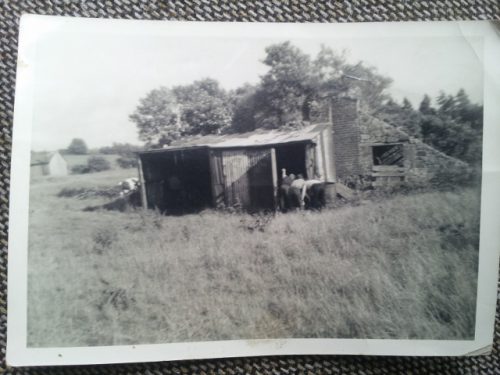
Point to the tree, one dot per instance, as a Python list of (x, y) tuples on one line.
[(401, 116), (365, 83), (157, 118), (446, 104), (165, 115), (406, 105), (77, 147), (204, 107), (468, 112), (284, 87), (334, 76), (425, 106), (244, 108), (455, 127)]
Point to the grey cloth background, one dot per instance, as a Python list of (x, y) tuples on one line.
[(226, 10)]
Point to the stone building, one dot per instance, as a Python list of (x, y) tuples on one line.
[(368, 151), (48, 164)]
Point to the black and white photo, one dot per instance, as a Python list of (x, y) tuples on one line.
[(190, 190)]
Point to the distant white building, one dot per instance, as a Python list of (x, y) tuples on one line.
[(48, 164)]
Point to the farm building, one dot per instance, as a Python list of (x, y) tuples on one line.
[(341, 147), (372, 151), (234, 170), (48, 164)]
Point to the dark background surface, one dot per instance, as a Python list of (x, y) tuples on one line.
[(225, 10)]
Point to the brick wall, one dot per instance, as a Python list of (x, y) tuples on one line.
[(346, 137)]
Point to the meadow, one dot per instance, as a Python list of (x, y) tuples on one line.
[(403, 267)]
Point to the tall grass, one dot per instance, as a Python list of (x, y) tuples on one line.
[(399, 268)]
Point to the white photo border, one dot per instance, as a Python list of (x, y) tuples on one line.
[(33, 27)]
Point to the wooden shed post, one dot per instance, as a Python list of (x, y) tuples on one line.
[(142, 182), (274, 171)]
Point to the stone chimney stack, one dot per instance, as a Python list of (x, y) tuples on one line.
[(343, 115)]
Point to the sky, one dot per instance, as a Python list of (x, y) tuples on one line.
[(87, 84)]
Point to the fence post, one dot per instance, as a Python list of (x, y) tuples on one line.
[(142, 181)]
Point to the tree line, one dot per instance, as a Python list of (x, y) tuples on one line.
[(126, 152), (291, 93), (454, 125)]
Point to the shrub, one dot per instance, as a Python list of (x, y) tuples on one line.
[(80, 169), (94, 164), (98, 163), (447, 178), (127, 161)]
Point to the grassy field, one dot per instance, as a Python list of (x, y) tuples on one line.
[(402, 268)]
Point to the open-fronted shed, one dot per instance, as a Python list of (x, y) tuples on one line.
[(234, 170)]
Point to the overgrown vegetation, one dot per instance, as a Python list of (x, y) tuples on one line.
[(127, 153), (454, 126), (127, 161), (89, 192), (291, 93), (404, 267), (94, 164)]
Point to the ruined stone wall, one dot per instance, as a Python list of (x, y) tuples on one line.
[(376, 132), (422, 163), (355, 132), (428, 162)]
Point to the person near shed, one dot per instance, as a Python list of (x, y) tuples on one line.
[(286, 182), (295, 192)]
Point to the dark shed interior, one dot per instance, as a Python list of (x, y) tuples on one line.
[(177, 182), (292, 157)]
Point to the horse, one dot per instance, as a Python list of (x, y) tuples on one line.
[(316, 195), (295, 192)]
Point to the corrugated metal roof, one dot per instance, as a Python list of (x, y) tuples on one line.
[(256, 138)]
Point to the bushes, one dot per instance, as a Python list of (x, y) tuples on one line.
[(98, 164), (447, 178), (80, 169), (127, 162), (94, 164)]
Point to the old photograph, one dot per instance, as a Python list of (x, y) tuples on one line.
[(239, 186)]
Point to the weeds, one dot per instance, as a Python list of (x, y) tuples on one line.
[(256, 222), (404, 267), (103, 239), (116, 298), (86, 193)]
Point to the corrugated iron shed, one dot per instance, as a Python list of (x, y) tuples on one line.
[(234, 170), (257, 138)]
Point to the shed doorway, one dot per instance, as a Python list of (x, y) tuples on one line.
[(177, 182), (292, 158)]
